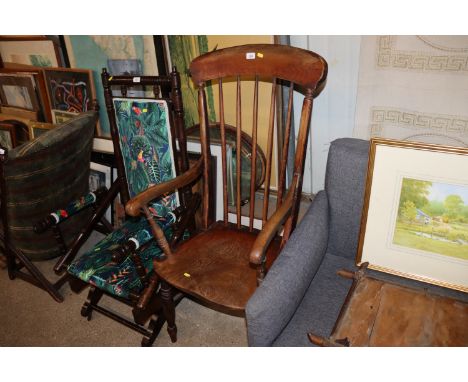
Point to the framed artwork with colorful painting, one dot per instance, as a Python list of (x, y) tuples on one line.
[(70, 91), (30, 50), (415, 217), (127, 52)]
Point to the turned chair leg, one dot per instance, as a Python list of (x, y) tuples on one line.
[(154, 327), (94, 296), (168, 307)]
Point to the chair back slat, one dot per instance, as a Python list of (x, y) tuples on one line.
[(261, 68), (223, 150), (123, 90), (238, 151), (156, 91), (253, 165), (284, 156), (271, 128), (206, 154)]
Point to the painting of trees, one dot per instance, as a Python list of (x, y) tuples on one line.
[(416, 191), (433, 217)]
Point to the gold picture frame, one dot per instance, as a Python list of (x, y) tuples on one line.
[(415, 217), (36, 129), (7, 135)]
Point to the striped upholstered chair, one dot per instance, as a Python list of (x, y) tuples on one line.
[(38, 177)]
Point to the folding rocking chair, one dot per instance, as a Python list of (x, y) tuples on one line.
[(150, 148), (40, 176)]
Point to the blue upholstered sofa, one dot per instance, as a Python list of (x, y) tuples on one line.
[(302, 292)]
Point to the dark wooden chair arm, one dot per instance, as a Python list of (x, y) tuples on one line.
[(135, 205), (272, 226)]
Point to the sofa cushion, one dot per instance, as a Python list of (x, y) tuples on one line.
[(274, 302), (321, 304), (345, 183)]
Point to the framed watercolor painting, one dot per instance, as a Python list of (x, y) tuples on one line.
[(30, 50), (39, 82), (18, 90), (415, 217)]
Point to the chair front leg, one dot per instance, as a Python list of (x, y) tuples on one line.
[(168, 307)]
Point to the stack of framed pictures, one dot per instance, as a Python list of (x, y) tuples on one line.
[(32, 79)]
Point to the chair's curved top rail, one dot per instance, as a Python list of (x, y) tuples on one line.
[(300, 66), (136, 80)]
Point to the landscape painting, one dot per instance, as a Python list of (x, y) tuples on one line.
[(433, 217)]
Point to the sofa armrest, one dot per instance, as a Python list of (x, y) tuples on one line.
[(274, 302)]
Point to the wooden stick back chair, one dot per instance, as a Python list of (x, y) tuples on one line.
[(223, 264)]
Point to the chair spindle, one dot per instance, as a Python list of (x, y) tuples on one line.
[(253, 162), (269, 153), (223, 150), (284, 162), (238, 152)]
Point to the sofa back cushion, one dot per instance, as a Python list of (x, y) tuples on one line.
[(344, 184)]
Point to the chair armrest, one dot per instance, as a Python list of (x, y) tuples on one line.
[(272, 226), (58, 216), (134, 205), (275, 301)]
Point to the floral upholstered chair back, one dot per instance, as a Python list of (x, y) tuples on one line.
[(146, 145)]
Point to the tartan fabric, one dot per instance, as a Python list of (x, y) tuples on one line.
[(44, 175)]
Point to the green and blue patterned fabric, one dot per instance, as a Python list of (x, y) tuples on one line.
[(146, 146), (96, 267)]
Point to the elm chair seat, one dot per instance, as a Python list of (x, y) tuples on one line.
[(194, 266)]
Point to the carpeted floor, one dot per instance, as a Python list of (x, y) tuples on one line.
[(30, 317)]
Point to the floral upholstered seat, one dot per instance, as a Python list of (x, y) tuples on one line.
[(96, 267), (146, 147)]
